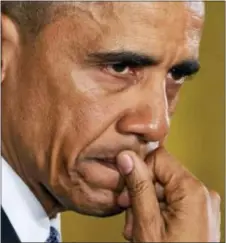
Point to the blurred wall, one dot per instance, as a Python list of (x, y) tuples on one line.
[(196, 137)]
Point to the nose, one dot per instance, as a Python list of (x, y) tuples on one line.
[(149, 121)]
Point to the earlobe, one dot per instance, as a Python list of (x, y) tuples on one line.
[(9, 41)]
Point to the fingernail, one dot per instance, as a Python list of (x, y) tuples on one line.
[(125, 164)]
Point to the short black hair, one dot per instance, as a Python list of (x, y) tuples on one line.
[(29, 16)]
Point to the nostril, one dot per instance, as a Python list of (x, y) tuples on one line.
[(142, 138), (152, 141)]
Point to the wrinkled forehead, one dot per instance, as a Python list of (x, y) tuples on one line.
[(167, 21), (154, 26), (196, 7), (117, 8), (152, 14)]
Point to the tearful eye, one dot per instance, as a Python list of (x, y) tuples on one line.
[(177, 75), (118, 69)]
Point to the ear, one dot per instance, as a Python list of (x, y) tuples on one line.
[(10, 41)]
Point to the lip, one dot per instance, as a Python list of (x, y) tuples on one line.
[(108, 162), (103, 173)]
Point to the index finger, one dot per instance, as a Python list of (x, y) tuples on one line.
[(145, 207)]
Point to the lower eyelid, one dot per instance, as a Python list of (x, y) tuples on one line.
[(118, 75), (180, 81), (170, 79)]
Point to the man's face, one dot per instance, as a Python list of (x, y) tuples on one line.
[(99, 79)]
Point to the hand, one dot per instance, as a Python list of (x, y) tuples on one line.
[(182, 209)]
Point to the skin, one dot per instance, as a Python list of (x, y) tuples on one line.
[(62, 110), (182, 209)]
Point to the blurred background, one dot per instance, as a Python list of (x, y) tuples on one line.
[(196, 137)]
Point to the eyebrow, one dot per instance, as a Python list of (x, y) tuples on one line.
[(129, 58), (139, 60)]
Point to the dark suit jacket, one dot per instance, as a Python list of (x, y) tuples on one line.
[(8, 234)]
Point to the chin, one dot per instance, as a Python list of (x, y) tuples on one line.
[(98, 203), (102, 213)]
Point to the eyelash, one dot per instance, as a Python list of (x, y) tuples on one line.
[(174, 74), (129, 68), (177, 74)]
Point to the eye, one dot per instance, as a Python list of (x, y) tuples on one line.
[(118, 69), (177, 75)]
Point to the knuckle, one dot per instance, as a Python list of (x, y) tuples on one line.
[(201, 192), (194, 187), (215, 196), (200, 189), (198, 192), (139, 188), (127, 235)]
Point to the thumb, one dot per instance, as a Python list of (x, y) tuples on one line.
[(145, 207)]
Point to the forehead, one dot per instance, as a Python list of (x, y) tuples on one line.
[(197, 7), (155, 28)]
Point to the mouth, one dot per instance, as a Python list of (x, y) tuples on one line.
[(108, 162), (101, 172)]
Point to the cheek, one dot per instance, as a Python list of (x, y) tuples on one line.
[(91, 110), (82, 126), (85, 197), (94, 202), (173, 97), (88, 121)]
